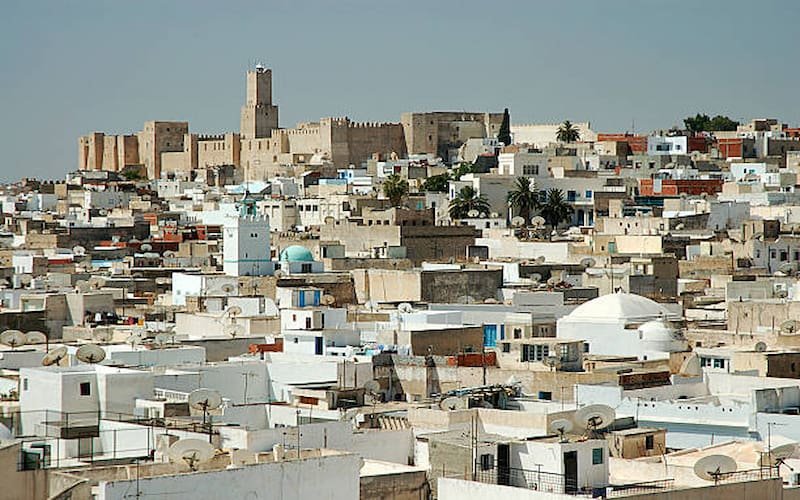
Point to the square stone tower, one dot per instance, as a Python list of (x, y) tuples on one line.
[(259, 115)]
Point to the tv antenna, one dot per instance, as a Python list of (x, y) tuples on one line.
[(90, 354), (54, 356), (192, 452)]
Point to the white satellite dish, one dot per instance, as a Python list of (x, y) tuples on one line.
[(90, 353), (536, 277), (538, 221), (233, 330), (146, 247), (760, 347), (588, 262), (134, 339), (35, 337), (205, 399), (405, 307), (82, 286), (13, 338), (691, 366), (25, 279), (96, 282), (192, 452), (233, 311), (517, 221), (453, 403), (552, 362), (102, 335), (790, 327), (327, 300), (777, 455), (78, 250), (782, 294), (54, 356), (473, 213), (162, 339), (711, 467), (280, 273), (540, 259), (788, 267), (595, 417), (169, 254), (227, 288), (494, 215), (561, 426)]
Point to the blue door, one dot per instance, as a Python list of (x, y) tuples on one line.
[(301, 298), (490, 335), (318, 346)]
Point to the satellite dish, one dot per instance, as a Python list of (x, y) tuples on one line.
[(205, 399), (134, 339), (536, 277), (25, 279), (552, 362), (280, 273), (371, 305), (103, 212), (233, 311), (517, 221), (561, 426), (538, 221), (192, 452), (146, 247), (162, 339), (595, 417), (13, 338), (329, 220), (777, 455), (540, 259), (372, 387), (491, 300), (82, 286), (227, 288), (453, 403), (711, 467), (553, 281), (54, 356), (35, 337), (78, 250), (760, 347), (790, 327), (473, 213), (234, 330), (405, 307), (327, 300), (691, 366), (781, 294), (169, 254), (588, 262), (102, 335), (494, 215), (90, 353), (96, 282), (680, 226), (788, 267)]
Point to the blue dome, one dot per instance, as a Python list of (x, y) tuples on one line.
[(296, 253)]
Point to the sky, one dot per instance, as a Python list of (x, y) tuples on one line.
[(73, 67)]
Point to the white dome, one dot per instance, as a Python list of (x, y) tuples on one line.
[(657, 330), (619, 306)]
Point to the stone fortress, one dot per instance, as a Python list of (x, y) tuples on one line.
[(262, 149)]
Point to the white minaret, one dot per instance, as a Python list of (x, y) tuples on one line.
[(246, 241)]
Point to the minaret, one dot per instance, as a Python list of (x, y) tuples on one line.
[(246, 242), (259, 115)]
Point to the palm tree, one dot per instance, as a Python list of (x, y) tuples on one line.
[(395, 188), (524, 198), (567, 132), (555, 209), (467, 200)]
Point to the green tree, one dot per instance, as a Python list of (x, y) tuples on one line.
[(555, 208), (567, 132), (704, 123), (463, 168), (395, 188), (436, 183), (504, 135), (523, 198), (466, 200)]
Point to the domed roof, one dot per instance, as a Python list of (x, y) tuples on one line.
[(657, 330), (296, 253), (620, 306)]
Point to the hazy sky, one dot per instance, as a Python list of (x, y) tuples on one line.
[(72, 67)]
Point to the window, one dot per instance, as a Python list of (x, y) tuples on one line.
[(25, 382), (530, 170), (517, 333), (305, 268), (86, 389), (597, 456), (648, 443), (546, 395), (589, 193), (506, 347), (719, 363), (585, 347), (487, 461)]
